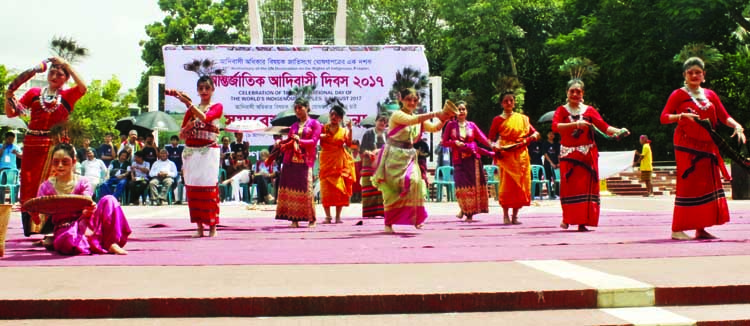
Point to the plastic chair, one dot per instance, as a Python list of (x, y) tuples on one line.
[(492, 179), (444, 177), (556, 184), (9, 180), (538, 179), (224, 190)]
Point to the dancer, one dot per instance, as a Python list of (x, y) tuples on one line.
[(372, 141), (579, 158), (510, 133), (398, 175), (101, 228), (464, 138), (336, 163), (200, 158), (47, 107), (700, 201), (295, 201)]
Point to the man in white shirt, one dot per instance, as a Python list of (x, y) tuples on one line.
[(162, 173), (93, 169)]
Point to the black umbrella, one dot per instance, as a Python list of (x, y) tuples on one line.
[(157, 120), (287, 118), (547, 117), (125, 125), (368, 122)]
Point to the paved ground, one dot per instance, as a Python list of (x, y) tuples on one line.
[(531, 273)]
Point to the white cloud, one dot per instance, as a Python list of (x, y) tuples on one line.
[(110, 29)]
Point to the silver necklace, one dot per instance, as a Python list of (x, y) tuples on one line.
[(50, 102), (698, 97)]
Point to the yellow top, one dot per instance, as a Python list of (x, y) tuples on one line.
[(646, 158)]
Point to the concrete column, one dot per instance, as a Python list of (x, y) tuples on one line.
[(339, 29), (298, 24), (256, 29)]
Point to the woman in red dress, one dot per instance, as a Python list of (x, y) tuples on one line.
[(579, 158), (47, 107), (700, 201)]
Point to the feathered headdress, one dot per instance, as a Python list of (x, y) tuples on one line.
[(332, 102), (509, 85), (461, 95), (578, 68), (206, 67), (411, 78), (302, 94), (707, 53)]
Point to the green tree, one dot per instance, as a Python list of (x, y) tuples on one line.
[(4, 81), (637, 72), (191, 22), (68, 49), (101, 107)]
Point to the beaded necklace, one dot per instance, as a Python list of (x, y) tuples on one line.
[(698, 97), (50, 102)]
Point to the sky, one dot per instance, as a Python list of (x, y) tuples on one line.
[(110, 29)]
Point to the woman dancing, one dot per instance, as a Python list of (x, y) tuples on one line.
[(296, 200), (201, 156), (579, 158), (372, 142), (464, 138), (337, 174), (398, 175), (47, 107), (510, 133), (700, 201)]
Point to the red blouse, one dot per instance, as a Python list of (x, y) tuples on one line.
[(43, 120), (585, 136)]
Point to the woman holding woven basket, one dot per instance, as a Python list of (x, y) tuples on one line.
[(96, 229)]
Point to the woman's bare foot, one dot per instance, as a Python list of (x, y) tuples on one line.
[(703, 234), (582, 228), (680, 236), (339, 221), (515, 220), (419, 226), (564, 226), (469, 219), (327, 220), (116, 250), (212, 232), (198, 231), (506, 220), (389, 229), (311, 225), (295, 224), (460, 215)]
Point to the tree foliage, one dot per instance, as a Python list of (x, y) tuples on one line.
[(98, 111)]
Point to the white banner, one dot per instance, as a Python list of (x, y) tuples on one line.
[(255, 79), (611, 163)]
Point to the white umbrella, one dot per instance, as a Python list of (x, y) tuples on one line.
[(245, 126), (13, 123)]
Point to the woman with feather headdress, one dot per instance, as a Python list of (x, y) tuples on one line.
[(296, 200), (47, 107), (700, 201), (510, 133), (576, 123), (464, 138), (398, 176), (201, 156), (337, 174)]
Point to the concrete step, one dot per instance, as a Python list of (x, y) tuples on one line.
[(685, 315), (305, 290)]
